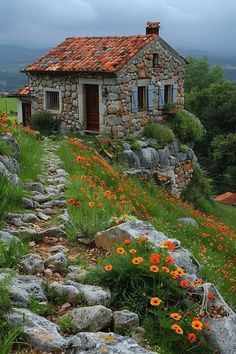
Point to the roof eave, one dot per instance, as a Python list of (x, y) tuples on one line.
[(63, 72)]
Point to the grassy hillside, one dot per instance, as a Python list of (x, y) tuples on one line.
[(97, 193)]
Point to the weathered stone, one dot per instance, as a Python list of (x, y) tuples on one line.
[(184, 259), (92, 318), (31, 263), (129, 230), (113, 120), (132, 159), (65, 217), (125, 320), (112, 97), (29, 218), (7, 237), (58, 261), (42, 216), (69, 291), (188, 221), (41, 198), (24, 287), (58, 248), (39, 332), (27, 203), (34, 186), (56, 231), (94, 295), (94, 343)]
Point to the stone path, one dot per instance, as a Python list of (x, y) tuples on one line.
[(42, 272)]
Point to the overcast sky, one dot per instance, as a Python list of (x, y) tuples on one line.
[(196, 24)]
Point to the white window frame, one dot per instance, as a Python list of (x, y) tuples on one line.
[(55, 111)]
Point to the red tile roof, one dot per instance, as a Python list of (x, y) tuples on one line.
[(91, 54), (22, 92), (227, 198)]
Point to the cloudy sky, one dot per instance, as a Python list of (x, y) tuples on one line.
[(196, 24)]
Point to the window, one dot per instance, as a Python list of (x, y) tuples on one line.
[(155, 60), (168, 94), (141, 98), (52, 100)]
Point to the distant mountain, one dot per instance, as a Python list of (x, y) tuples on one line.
[(15, 55)]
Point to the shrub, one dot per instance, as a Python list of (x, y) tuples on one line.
[(187, 127), (162, 133), (11, 253), (44, 122), (146, 281), (66, 325)]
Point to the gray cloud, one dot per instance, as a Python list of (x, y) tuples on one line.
[(200, 24)]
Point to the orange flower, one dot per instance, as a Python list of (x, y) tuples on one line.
[(91, 204), (123, 213), (199, 282), (102, 183), (210, 295), (154, 269), (165, 269), (75, 178), (174, 274), (179, 330), (155, 258), (120, 250), (184, 283), (155, 301), (82, 189), (122, 197), (169, 260), (192, 337), (127, 242), (180, 271), (132, 251), (137, 260), (108, 267), (78, 204), (196, 324), (169, 244), (206, 325), (100, 205), (71, 201), (176, 316)]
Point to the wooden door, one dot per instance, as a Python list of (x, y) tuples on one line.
[(92, 107), (26, 112)]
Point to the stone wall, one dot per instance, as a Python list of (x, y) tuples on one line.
[(168, 166), (115, 113)]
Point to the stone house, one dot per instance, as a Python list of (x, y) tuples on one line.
[(113, 85)]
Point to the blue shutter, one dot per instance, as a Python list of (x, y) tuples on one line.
[(150, 89), (161, 96), (175, 88), (134, 99)]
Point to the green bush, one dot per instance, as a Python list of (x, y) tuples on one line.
[(44, 122), (187, 127), (162, 133)]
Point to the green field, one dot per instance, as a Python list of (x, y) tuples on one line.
[(8, 105)]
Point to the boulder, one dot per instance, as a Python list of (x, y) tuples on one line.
[(100, 342), (188, 221), (34, 186), (24, 287), (69, 291), (58, 261), (39, 332), (132, 159), (94, 295), (184, 259), (31, 263), (56, 231), (7, 237), (148, 157), (27, 203), (65, 217), (125, 320), (91, 318), (222, 333), (129, 230)]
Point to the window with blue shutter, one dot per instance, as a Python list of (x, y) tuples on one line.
[(150, 89), (134, 99), (174, 95), (161, 96)]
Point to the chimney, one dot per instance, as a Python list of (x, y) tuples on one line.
[(153, 28)]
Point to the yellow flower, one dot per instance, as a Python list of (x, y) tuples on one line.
[(155, 301), (91, 204), (174, 274), (132, 251), (180, 271)]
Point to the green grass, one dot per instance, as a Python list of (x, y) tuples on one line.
[(227, 214), (212, 243), (8, 105)]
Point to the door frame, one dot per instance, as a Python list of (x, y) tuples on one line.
[(82, 102), (24, 121)]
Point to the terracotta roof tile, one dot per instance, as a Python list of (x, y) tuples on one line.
[(23, 91), (93, 54), (227, 198)]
